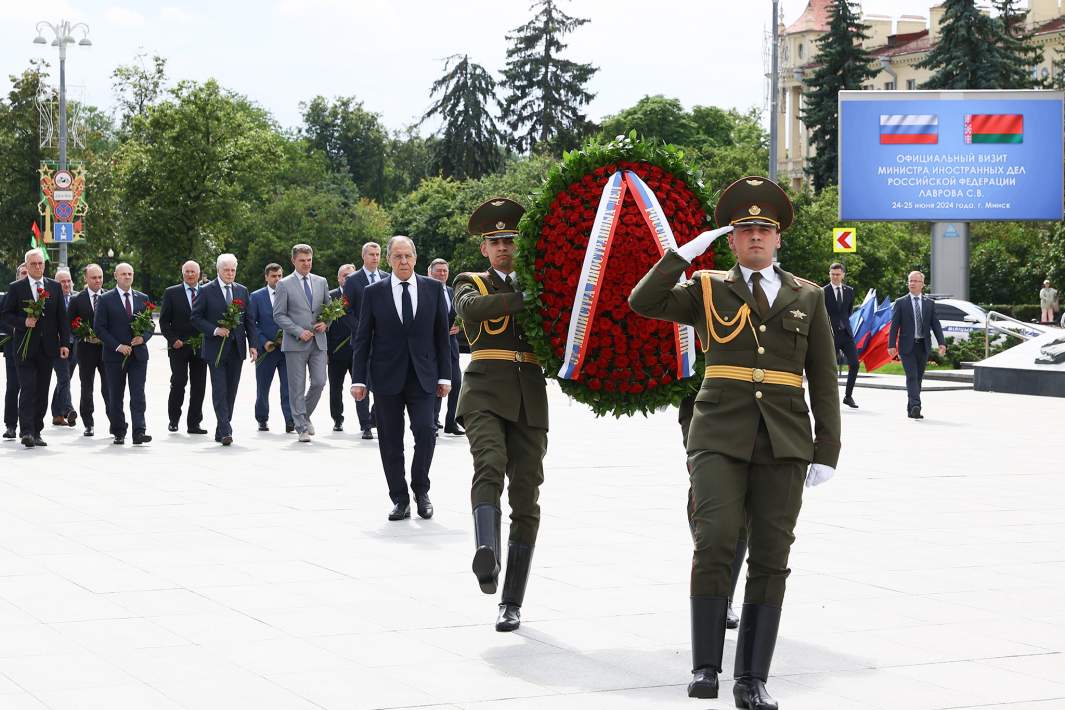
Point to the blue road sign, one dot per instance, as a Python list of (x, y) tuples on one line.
[(63, 232), (950, 156)]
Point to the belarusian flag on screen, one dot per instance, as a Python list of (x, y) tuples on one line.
[(994, 128)]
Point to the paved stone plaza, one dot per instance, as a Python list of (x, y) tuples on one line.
[(928, 574)]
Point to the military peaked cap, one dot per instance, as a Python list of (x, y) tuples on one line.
[(754, 200), (496, 219)]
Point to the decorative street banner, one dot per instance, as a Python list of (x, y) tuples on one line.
[(62, 203), (950, 156)]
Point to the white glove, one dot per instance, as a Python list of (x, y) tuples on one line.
[(699, 245), (818, 473)]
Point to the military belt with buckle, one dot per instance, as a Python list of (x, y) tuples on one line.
[(506, 355), (754, 374)]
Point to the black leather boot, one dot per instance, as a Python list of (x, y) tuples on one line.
[(732, 621), (519, 557), (708, 642), (486, 558), (754, 653)]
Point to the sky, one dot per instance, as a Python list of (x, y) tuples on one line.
[(387, 53)]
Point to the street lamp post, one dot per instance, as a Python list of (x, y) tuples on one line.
[(64, 35)]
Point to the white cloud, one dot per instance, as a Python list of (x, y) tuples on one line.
[(26, 12), (124, 17), (171, 13)]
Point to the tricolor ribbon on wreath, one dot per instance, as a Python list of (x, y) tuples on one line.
[(595, 258)]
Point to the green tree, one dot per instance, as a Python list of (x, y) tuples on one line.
[(194, 168), (654, 117), (842, 64), (408, 161), (137, 86), (1004, 262), (973, 52), (469, 139), (543, 108), (1016, 41), (20, 158), (352, 138)]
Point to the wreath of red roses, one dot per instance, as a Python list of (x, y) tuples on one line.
[(631, 362)]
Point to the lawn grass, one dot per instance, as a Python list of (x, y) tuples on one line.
[(895, 368)]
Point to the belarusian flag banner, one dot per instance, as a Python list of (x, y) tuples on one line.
[(994, 128)]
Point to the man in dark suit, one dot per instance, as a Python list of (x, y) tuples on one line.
[(338, 338), (186, 364), (63, 413), (261, 312), (839, 300), (353, 287), (89, 351), (11, 368), (125, 354), (913, 321), (440, 271), (49, 337), (402, 347), (224, 349)]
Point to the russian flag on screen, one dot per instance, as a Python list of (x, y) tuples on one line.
[(903, 129), (994, 128)]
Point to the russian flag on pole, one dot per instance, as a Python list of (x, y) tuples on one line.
[(875, 354), (862, 319), (909, 129)]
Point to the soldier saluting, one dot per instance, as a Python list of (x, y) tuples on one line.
[(503, 406), (750, 441)]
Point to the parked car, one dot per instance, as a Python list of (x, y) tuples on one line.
[(960, 318)]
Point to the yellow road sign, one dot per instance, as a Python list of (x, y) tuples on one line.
[(844, 240)]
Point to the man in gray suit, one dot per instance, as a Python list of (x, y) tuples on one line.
[(297, 303)]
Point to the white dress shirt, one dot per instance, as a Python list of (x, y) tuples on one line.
[(34, 285), (273, 294), (397, 295), (372, 276), (770, 281), (512, 276), (94, 296), (188, 296)]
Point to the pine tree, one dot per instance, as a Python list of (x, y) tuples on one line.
[(547, 92), (1017, 42), (973, 52), (842, 64), (469, 144)]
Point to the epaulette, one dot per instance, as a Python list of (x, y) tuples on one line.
[(712, 272), (805, 281)]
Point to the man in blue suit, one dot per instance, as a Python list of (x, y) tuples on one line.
[(224, 349), (261, 312), (913, 320), (125, 354), (402, 347), (440, 271), (354, 285)]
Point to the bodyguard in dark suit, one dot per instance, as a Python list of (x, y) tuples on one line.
[(63, 413), (89, 352), (125, 354), (261, 312), (338, 338), (224, 349), (440, 271), (186, 364), (839, 300), (401, 346), (49, 337), (913, 320), (370, 273)]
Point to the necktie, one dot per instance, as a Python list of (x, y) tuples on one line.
[(129, 305), (95, 298), (510, 282), (839, 295), (307, 292), (373, 277), (36, 285), (760, 299), (192, 295), (229, 294), (407, 304), (917, 321), (66, 301)]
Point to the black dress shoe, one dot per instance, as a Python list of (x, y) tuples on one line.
[(72, 418), (226, 440), (732, 619), (289, 428), (425, 508), (139, 437), (509, 618), (88, 431), (38, 441), (849, 401), (703, 684), (338, 427), (263, 426), (455, 429), (119, 439), (197, 430), (28, 441), (367, 434), (750, 693), (400, 511), (9, 433), (172, 426), (915, 413)]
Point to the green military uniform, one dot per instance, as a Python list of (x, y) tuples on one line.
[(503, 407), (750, 437)]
